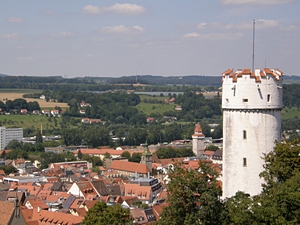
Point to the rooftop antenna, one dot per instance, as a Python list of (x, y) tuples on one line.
[(265, 63), (253, 45)]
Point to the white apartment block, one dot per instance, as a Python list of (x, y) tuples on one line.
[(9, 134)]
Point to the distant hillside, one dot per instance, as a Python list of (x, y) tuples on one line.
[(291, 79), (172, 80)]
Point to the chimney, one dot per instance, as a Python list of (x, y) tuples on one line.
[(38, 209)]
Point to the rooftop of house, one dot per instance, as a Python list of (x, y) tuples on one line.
[(130, 167), (6, 211), (44, 216)]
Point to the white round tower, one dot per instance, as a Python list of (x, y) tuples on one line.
[(251, 105)]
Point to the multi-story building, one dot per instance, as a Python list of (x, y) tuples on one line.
[(9, 134)]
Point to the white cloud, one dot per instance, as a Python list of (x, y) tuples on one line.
[(63, 34), (90, 9), (14, 20), (255, 2), (266, 23), (130, 9), (259, 24), (121, 29), (215, 36), (10, 36), (191, 35), (201, 25)]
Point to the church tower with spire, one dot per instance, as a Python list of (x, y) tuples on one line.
[(147, 157), (198, 140)]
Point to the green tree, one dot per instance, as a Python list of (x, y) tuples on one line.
[(79, 154), (72, 136), (212, 147), (22, 154), (126, 154), (96, 136), (8, 169), (39, 137), (101, 214), (164, 153), (193, 196), (136, 157), (279, 203), (237, 209), (13, 144), (3, 154)]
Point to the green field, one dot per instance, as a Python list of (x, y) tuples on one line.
[(149, 108), (149, 97), (288, 113), (24, 121)]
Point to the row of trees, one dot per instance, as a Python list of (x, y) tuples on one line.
[(18, 104)]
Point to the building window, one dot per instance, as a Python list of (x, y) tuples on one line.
[(244, 134), (268, 97), (244, 162), (227, 100), (245, 99)]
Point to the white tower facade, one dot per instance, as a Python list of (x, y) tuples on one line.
[(198, 140), (251, 103)]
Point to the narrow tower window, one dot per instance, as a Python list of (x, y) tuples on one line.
[(245, 99), (268, 97), (244, 162), (233, 90), (244, 134)]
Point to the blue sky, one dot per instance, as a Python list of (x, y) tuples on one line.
[(75, 38)]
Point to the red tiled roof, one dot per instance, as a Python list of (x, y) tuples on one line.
[(129, 166), (276, 73), (142, 192), (44, 216), (198, 128), (6, 211), (246, 71)]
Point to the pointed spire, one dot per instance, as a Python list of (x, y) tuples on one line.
[(198, 128), (146, 149)]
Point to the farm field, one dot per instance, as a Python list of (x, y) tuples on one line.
[(149, 97), (149, 108), (25, 121), (8, 95)]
